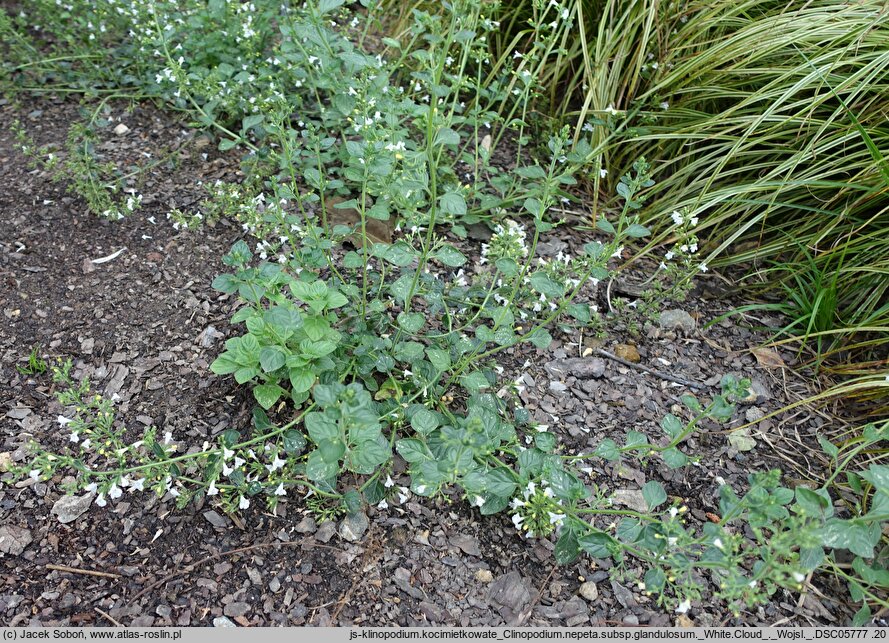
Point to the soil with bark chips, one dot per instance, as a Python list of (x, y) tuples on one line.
[(145, 326)]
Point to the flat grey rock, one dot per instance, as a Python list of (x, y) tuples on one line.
[(677, 320), (510, 594), (352, 527), (221, 621), (13, 539), (583, 368), (326, 531), (70, 508)]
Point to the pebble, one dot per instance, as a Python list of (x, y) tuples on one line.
[(352, 527), (215, 519), (580, 367), (121, 129), (306, 525), (511, 593), (326, 531), (13, 539), (70, 508), (677, 319), (467, 544), (628, 352), (631, 498), (221, 621), (484, 576), (589, 591), (235, 609)]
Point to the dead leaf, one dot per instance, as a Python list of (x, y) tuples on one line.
[(377, 231), (768, 357)]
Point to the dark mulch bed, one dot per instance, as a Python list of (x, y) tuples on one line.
[(144, 328)]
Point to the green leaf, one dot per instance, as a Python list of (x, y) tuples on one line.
[(226, 283), (450, 256), (597, 545), (245, 374), (272, 358), (400, 254), (608, 450), (453, 203), (637, 231), (336, 299), (541, 338), (542, 283), (654, 494), (224, 365), (320, 428), (331, 450), (227, 144), (424, 421), (318, 469), (301, 379), (439, 359), (326, 6), (878, 476), (267, 394), (567, 548), (411, 322), (674, 458), (315, 328), (413, 450), (655, 579), (294, 442), (507, 266), (474, 381), (545, 442), (848, 534), (672, 426)]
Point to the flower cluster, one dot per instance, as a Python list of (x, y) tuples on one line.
[(507, 242), (538, 513)]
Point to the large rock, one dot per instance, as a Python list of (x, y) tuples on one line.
[(510, 594)]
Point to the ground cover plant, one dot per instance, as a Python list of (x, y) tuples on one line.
[(367, 337)]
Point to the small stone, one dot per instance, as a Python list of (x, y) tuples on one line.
[(683, 621), (742, 440), (236, 609), (70, 508), (557, 387), (754, 414), (87, 267), (467, 544), (87, 345), (677, 319), (484, 576), (352, 527), (13, 539), (121, 129), (5, 461), (325, 531), (511, 593), (306, 525), (631, 498), (221, 621), (580, 367), (628, 352), (274, 585), (589, 590), (215, 519)]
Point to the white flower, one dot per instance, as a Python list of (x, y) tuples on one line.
[(677, 218), (243, 503), (227, 453), (137, 485), (556, 518), (718, 543), (276, 464), (683, 607), (86, 443), (173, 492), (421, 489), (673, 512), (91, 487), (517, 520), (516, 503), (168, 437), (389, 482), (100, 500), (382, 505), (703, 267), (280, 491), (115, 492), (239, 462), (63, 420), (799, 578), (403, 495), (74, 438), (603, 173), (212, 490), (665, 105), (226, 469), (617, 253), (478, 501)]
